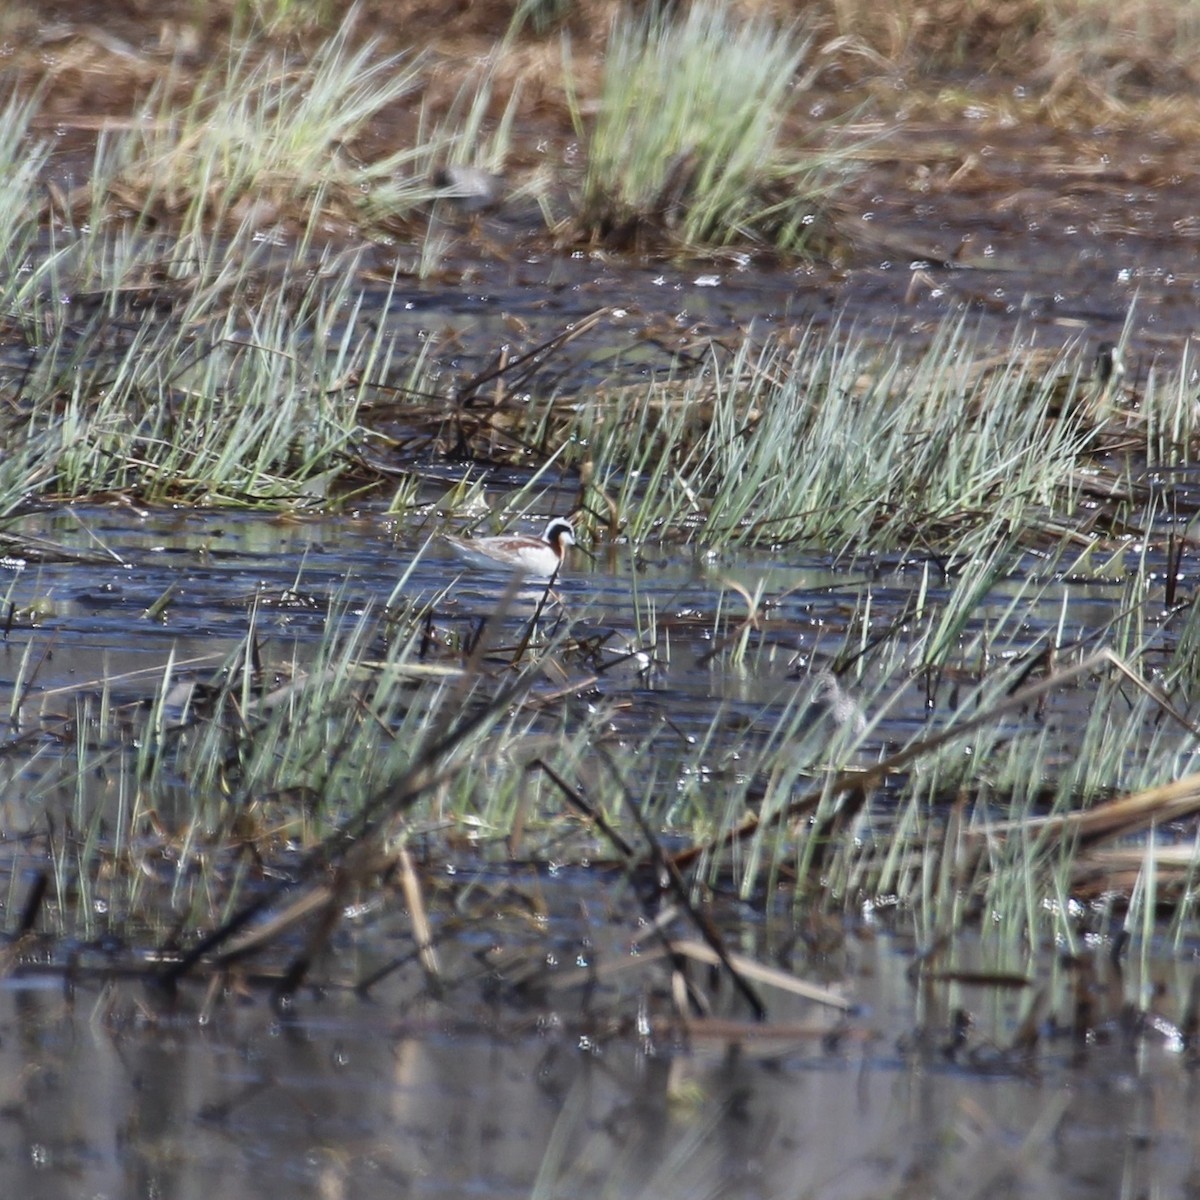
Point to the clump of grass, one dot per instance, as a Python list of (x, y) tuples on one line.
[(20, 169), (195, 367), (281, 749), (260, 138), (771, 446), (689, 130), (228, 403), (270, 141)]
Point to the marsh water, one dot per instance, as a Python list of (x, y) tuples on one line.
[(107, 1096), (110, 1089), (182, 587), (507, 1089)]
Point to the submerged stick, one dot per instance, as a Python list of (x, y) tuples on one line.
[(679, 889)]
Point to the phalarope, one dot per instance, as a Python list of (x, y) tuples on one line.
[(530, 555)]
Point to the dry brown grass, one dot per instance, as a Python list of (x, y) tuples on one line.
[(1078, 60), (979, 66)]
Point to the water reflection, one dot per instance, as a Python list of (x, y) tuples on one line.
[(110, 1093)]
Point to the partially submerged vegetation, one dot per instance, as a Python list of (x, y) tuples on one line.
[(192, 325), (235, 818)]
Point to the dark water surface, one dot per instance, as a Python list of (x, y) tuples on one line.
[(187, 584)]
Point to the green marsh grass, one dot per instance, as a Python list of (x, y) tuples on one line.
[(279, 750), (258, 387), (265, 143), (21, 167), (689, 131), (770, 446), (259, 373), (252, 390), (285, 747), (1012, 770), (249, 393), (1004, 466)]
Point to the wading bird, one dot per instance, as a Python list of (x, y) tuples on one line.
[(529, 555)]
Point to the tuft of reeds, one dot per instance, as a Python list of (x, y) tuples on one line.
[(770, 446), (687, 139)]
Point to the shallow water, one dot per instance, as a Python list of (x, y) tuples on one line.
[(188, 584)]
